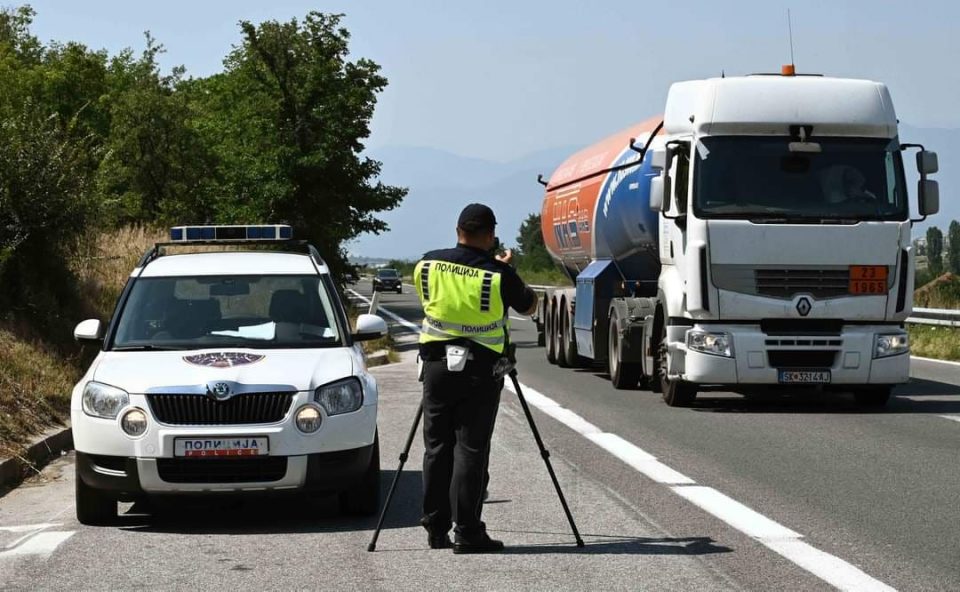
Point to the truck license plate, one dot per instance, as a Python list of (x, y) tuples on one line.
[(220, 447), (804, 376)]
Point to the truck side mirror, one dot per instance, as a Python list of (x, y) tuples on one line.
[(656, 193), (929, 192), (659, 160), (927, 163)]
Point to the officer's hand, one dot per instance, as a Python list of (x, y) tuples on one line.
[(507, 256)]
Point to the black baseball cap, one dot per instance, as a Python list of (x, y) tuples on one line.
[(476, 218)]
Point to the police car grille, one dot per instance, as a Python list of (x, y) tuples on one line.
[(242, 409), (222, 470)]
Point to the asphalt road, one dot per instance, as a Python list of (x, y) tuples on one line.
[(758, 494), (878, 490)]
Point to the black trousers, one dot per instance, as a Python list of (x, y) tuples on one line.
[(459, 409)]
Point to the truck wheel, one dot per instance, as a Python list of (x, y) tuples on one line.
[(568, 342), (559, 323), (94, 508), (676, 393), (623, 375), (549, 328), (364, 500), (873, 397)]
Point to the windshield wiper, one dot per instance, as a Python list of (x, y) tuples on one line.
[(129, 348)]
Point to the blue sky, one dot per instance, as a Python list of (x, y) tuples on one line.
[(498, 80)]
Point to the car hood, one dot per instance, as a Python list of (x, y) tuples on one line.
[(280, 369)]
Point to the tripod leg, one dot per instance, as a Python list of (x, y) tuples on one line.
[(546, 456), (393, 486)]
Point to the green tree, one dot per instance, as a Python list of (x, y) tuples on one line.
[(533, 253), (287, 120), (953, 249), (935, 250)]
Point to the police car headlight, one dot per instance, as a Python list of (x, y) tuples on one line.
[(891, 345), (339, 397), (103, 400), (308, 419), (717, 344), (134, 423)]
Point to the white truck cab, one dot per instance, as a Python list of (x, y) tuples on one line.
[(227, 372)]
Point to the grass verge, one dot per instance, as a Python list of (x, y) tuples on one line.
[(941, 343)]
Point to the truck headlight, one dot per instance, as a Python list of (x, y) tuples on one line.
[(339, 397), (717, 344), (103, 400), (891, 345)]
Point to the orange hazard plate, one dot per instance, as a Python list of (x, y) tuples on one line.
[(868, 279)]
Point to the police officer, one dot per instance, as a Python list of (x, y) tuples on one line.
[(466, 293)]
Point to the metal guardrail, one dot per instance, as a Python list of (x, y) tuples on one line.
[(941, 317)]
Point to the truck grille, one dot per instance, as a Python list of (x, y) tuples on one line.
[(785, 283), (222, 470), (249, 408)]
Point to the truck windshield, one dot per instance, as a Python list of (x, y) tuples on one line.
[(267, 311), (759, 178)]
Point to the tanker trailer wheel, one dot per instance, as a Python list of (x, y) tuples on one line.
[(676, 393), (623, 375), (549, 330), (561, 324)]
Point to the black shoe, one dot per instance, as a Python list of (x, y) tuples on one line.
[(479, 544), (439, 541)]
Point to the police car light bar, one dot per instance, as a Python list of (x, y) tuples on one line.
[(259, 232)]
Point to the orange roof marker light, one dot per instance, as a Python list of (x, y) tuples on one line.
[(788, 70)]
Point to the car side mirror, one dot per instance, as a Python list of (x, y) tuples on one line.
[(369, 327), (927, 162), (929, 192), (88, 330)]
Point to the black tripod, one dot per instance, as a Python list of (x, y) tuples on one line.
[(536, 436)]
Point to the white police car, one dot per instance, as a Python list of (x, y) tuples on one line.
[(227, 371)]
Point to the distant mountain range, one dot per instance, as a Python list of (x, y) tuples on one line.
[(441, 183)]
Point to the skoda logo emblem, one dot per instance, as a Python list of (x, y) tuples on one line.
[(804, 306), (219, 390)]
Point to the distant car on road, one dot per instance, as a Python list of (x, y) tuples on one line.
[(232, 371), (388, 279)]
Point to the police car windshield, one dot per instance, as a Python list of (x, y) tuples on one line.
[(268, 311)]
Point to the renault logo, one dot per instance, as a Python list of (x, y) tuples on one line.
[(804, 306), (219, 391)]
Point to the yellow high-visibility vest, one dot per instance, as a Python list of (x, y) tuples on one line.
[(459, 302)]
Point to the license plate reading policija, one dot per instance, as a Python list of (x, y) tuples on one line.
[(220, 447), (804, 376), (868, 279)]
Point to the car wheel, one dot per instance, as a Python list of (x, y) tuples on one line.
[(94, 508), (399, 290), (364, 500)]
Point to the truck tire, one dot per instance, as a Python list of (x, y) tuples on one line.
[(94, 508), (676, 393), (873, 397), (549, 328), (560, 321), (623, 375), (364, 500)]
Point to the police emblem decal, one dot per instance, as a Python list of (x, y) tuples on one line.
[(223, 359)]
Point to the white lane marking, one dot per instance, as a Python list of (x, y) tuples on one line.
[(639, 459), (42, 544), (396, 318), (773, 535), (516, 318), (948, 362), (27, 527), (734, 513), (953, 417), (825, 566)]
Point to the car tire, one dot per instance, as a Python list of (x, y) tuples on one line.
[(399, 290), (364, 500), (94, 508)]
